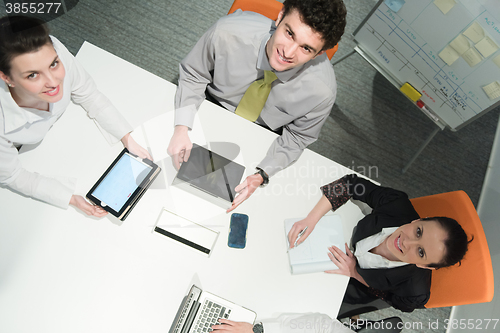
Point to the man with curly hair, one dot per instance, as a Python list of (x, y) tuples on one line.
[(244, 47)]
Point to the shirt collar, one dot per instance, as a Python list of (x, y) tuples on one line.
[(263, 60), (366, 259), (15, 116)]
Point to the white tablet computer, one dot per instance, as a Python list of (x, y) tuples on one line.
[(123, 184)]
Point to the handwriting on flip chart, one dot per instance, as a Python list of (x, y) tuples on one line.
[(448, 50)]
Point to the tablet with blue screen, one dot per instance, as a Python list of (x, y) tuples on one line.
[(123, 184)]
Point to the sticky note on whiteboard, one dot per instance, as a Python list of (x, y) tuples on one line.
[(445, 5), (411, 92), (472, 57), (460, 44), (449, 55), (395, 5), (486, 46), (496, 60), (492, 90), (475, 32)]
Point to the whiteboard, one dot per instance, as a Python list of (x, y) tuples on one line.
[(411, 44)]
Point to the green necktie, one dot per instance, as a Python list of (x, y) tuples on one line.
[(255, 97)]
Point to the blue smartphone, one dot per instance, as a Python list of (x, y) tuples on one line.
[(238, 231)]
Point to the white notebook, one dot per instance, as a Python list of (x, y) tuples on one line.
[(312, 255)]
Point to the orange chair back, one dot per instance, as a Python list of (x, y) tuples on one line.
[(270, 9), (472, 282)]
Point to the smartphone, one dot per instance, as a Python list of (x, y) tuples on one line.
[(238, 231)]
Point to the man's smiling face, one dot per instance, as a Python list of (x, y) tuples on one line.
[(293, 43)]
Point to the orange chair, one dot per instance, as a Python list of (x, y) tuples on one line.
[(270, 9), (471, 282)]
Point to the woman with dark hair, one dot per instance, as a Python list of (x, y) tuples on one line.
[(39, 78), (394, 250)]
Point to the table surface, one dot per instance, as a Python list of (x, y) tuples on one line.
[(61, 271)]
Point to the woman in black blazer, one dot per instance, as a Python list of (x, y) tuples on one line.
[(416, 245)]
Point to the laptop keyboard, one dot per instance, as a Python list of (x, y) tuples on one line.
[(209, 315)]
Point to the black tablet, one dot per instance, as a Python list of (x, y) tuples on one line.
[(123, 184), (213, 176)]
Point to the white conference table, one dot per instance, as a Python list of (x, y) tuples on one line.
[(61, 271)]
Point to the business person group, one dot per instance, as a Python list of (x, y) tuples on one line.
[(273, 73)]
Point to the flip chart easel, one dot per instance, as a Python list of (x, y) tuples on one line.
[(447, 51)]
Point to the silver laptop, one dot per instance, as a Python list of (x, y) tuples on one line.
[(200, 310)]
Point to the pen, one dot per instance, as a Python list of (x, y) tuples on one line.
[(299, 235), (421, 105)]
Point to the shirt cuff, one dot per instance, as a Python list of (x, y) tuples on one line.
[(271, 326), (271, 165), (56, 191), (336, 192), (185, 116)]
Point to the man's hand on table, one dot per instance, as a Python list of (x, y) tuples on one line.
[(229, 326), (245, 190), (134, 147), (79, 202), (180, 146)]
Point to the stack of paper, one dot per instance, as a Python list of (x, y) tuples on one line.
[(312, 255)]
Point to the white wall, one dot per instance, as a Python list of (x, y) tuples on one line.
[(477, 315)]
